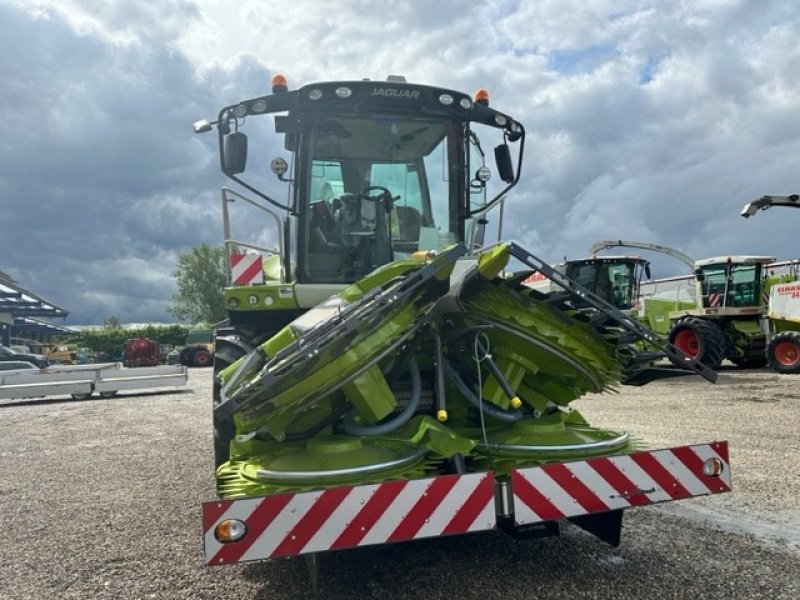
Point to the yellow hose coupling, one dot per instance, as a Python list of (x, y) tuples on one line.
[(516, 402), (441, 415)]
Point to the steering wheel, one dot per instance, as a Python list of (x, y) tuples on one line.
[(385, 196)]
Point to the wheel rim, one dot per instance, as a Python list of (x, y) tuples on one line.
[(688, 342), (202, 358), (787, 354)]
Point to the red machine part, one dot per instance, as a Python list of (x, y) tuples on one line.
[(141, 352)]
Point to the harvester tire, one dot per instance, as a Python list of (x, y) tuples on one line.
[(227, 350), (700, 339), (783, 352)]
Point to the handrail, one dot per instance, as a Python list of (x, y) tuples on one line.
[(228, 196)]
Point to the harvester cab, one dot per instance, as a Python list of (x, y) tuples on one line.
[(616, 279), (726, 318), (378, 170), (783, 316)]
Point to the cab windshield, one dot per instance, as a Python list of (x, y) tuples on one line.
[(374, 190), (731, 285), (614, 282)]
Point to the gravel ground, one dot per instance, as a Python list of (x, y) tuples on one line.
[(101, 499)]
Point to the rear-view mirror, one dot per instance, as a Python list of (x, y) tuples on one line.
[(502, 158), (235, 153)]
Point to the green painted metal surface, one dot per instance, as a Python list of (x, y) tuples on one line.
[(514, 364)]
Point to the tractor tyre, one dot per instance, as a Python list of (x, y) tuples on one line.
[(201, 358), (699, 339), (187, 356), (783, 352)]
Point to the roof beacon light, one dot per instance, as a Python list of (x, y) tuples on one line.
[(278, 84), (481, 96)]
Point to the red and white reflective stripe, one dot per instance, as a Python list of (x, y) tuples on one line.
[(714, 299), (350, 516), (560, 490), (534, 277), (246, 269)]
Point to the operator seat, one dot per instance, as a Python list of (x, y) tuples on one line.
[(409, 221), (365, 235)]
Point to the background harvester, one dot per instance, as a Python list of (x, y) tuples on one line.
[(379, 378), (783, 316), (725, 317), (617, 281)]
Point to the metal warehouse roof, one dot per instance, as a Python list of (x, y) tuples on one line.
[(26, 327), (19, 302)]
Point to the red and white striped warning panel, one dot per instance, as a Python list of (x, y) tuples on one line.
[(349, 516), (560, 490), (246, 269), (534, 277)]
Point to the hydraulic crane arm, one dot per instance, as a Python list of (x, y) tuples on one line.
[(765, 202), (605, 244)]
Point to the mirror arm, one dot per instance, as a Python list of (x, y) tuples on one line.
[(503, 192), (224, 124)]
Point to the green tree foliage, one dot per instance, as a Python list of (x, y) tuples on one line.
[(200, 275), (112, 322)]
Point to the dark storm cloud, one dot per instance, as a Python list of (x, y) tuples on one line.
[(103, 179)]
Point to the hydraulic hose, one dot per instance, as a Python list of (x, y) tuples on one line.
[(498, 375), (396, 422), (490, 409)]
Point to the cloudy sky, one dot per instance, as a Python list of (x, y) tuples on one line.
[(646, 120)]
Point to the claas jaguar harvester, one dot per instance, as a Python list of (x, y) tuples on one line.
[(380, 378), (725, 320), (783, 316)]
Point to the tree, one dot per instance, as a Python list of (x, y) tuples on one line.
[(200, 275), (112, 322)]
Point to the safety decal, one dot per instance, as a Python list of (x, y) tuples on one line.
[(246, 269), (562, 490), (350, 516)]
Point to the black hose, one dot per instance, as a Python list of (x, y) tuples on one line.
[(396, 422), (487, 407)]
